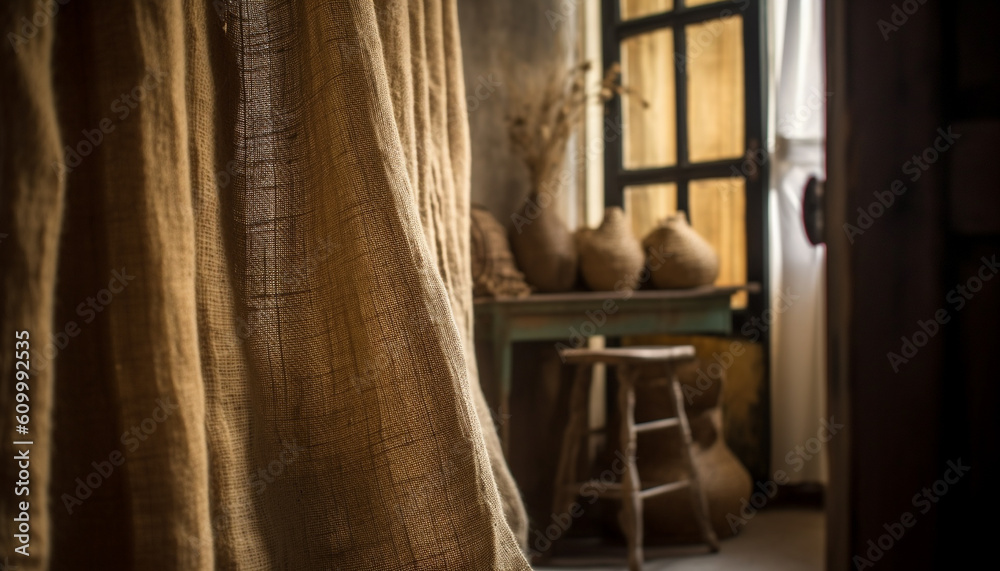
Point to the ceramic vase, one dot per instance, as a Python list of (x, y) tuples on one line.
[(543, 246)]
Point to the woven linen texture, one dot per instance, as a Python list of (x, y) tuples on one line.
[(288, 205)]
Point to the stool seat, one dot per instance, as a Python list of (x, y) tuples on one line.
[(629, 355), (631, 490)]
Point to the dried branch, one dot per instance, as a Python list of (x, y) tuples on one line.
[(541, 124)]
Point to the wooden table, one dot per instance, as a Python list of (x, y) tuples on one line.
[(569, 318)]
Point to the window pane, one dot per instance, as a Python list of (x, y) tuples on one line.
[(714, 63), (647, 204), (718, 213), (650, 132), (637, 8)]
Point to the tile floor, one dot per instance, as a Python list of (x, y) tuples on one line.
[(791, 539)]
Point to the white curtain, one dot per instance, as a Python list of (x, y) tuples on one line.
[(798, 373)]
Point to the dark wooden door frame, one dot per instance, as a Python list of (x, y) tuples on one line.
[(889, 102), (838, 264)]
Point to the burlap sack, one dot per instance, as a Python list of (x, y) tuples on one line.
[(678, 257), (725, 481), (494, 273)]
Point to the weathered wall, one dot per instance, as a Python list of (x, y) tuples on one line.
[(509, 46)]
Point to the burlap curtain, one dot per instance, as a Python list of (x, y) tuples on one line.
[(237, 233)]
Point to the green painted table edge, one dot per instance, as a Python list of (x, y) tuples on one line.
[(565, 317)]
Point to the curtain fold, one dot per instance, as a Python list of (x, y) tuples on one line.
[(31, 207), (264, 256)]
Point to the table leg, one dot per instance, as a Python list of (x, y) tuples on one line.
[(503, 370)]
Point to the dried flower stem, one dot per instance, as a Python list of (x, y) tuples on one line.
[(540, 128)]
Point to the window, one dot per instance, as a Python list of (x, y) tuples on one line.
[(694, 146)]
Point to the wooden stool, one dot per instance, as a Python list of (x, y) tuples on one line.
[(630, 490)]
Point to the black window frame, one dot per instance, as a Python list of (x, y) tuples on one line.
[(753, 166)]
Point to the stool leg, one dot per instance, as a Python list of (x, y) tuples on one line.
[(698, 501), (631, 515), (576, 427)]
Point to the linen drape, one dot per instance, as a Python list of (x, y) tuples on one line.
[(798, 339), (237, 233)]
